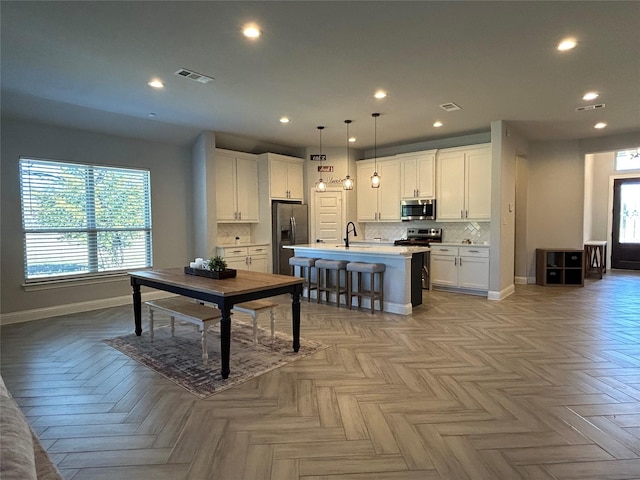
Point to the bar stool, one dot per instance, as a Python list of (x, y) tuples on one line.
[(324, 283), (372, 269), (304, 264)]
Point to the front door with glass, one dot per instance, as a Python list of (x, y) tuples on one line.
[(625, 241)]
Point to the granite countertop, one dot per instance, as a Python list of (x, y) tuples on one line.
[(361, 249)]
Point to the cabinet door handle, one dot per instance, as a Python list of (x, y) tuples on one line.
[(455, 261), (474, 251), (461, 262), (466, 214), (236, 251)]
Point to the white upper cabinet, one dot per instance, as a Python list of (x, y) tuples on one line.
[(418, 172), (464, 183), (286, 177), (236, 187), (378, 204)]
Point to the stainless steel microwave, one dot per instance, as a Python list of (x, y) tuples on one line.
[(417, 210)]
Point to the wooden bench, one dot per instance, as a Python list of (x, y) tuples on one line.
[(253, 308), (188, 311)]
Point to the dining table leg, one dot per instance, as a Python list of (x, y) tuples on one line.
[(295, 316), (137, 307), (225, 340)]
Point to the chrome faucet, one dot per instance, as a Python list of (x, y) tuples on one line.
[(355, 234)]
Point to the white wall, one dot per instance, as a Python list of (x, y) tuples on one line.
[(522, 209), (506, 144), (170, 168)]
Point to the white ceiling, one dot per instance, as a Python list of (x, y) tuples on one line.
[(86, 65)]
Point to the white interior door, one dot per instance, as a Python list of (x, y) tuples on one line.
[(328, 217)]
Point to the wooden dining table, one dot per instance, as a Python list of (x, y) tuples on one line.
[(225, 293)]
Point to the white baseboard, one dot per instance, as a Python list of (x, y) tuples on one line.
[(48, 312), (521, 280), (502, 294)]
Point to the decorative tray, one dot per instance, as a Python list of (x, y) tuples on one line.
[(200, 272)]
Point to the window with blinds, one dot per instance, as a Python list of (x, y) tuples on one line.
[(81, 220)]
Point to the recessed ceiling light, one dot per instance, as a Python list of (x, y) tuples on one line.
[(590, 96), (437, 124), (600, 125), (380, 94), (284, 120), (251, 31), (352, 139), (155, 83), (567, 44), (152, 115)]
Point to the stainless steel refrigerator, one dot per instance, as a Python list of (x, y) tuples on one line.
[(290, 226)]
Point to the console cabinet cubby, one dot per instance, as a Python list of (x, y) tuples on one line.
[(560, 267)]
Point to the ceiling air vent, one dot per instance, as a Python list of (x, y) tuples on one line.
[(590, 107), (198, 77), (450, 107)]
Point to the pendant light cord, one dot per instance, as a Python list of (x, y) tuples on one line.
[(347, 122), (375, 141)]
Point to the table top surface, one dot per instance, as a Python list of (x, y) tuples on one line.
[(244, 282), (596, 243)]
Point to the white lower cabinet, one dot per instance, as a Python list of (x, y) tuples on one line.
[(254, 258), (465, 268)]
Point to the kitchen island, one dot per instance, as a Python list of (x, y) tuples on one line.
[(397, 276)]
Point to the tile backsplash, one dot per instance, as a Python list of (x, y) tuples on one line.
[(477, 232), (227, 233), (451, 232)]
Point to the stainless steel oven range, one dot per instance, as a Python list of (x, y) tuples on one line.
[(422, 237)]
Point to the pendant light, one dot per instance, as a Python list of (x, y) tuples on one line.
[(375, 178), (348, 182), (321, 186)]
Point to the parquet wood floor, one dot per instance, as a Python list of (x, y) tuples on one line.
[(542, 385)]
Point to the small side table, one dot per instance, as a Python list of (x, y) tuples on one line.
[(595, 252)]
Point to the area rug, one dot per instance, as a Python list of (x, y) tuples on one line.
[(179, 358)]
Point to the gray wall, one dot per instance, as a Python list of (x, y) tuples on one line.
[(601, 168), (170, 168), (556, 203)]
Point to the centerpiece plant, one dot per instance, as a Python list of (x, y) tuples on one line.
[(216, 264)]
